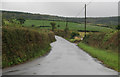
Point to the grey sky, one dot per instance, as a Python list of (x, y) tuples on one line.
[(94, 9), (59, 0)]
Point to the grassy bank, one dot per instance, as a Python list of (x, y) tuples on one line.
[(22, 44), (107, 41), (110, 59), (103, 46)]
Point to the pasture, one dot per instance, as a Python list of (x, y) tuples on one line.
[(71, 25)]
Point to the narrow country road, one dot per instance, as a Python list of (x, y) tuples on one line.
[(65, 58)]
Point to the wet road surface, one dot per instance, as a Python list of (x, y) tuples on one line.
[(65, 58)]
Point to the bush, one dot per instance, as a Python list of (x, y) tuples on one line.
[(53, 25), (73, 34), (63, 34), (22, 44), (118, 27), (108, 41), (33, 25)]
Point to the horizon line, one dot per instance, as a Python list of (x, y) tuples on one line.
[(57, 15)]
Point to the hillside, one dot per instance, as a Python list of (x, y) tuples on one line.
[(45, 24), (98, 21)]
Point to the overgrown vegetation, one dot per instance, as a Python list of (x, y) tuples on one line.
[(110, 59), (63, 34), (21, 20), (108, 41), (73, 34), (53, 25), (23, 44), (103, 46)]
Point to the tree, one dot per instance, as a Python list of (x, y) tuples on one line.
[(58, 25), (66, 28), (21, 20), (53, 25), (3, 23), (118, 27), (73, 34)]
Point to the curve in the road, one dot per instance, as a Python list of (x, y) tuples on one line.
[(65, 58)]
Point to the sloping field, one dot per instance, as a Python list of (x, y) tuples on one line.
[(71, 25)]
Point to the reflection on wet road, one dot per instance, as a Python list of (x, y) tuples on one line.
[(65, 58)]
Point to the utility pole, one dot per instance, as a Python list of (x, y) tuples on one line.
[(85, 20), (66, 24), (65, 21), (43, 23)]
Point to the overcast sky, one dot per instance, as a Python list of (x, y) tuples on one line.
[(96, 8)]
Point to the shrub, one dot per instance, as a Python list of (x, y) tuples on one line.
[(108, 41), (22, 44), (33, 25), (21, 20), (53, 25), (73, 34)]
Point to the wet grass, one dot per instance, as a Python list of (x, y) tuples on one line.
[(109, 59)]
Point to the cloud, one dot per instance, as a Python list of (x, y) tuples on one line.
[(71, 9), (60, 0)]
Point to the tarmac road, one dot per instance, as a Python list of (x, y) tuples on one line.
[(65, 58)]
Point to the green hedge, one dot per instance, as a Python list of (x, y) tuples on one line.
[(108, 41), (21, 44)]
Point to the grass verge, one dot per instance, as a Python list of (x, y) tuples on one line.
[(109, 59)]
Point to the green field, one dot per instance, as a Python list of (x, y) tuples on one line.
[(110, 59), (71, 25)]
